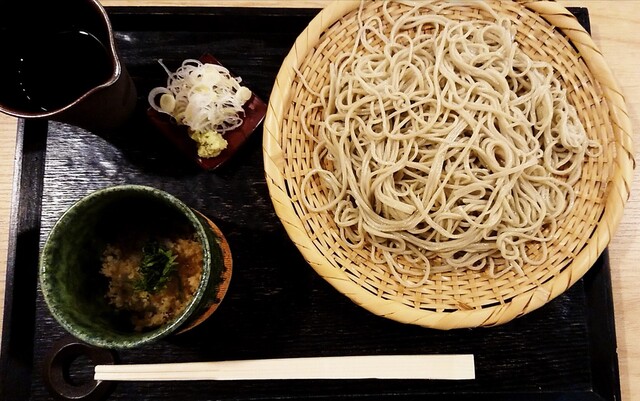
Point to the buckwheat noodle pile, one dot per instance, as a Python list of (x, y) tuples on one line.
[(440, 145)]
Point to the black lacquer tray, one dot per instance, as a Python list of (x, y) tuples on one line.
[(276, 305)]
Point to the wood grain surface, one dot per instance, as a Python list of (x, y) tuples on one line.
[(616, 30)]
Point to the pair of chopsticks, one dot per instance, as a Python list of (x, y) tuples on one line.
[(442, 367)]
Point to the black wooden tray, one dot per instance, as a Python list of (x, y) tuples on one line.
[(276, 305)]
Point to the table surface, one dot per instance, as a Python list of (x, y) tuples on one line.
[(615, 29)]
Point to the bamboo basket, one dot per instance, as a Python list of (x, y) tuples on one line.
[(545, 30)]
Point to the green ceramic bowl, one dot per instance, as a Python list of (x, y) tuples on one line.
[(70, 262)]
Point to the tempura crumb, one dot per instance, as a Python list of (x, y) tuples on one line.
[(121, 266)]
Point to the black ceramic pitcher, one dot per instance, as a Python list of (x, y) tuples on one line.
[(59, 61)]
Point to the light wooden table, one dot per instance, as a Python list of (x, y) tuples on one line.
[(616, 30)]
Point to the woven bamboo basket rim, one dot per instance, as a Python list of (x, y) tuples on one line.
[(611, 179)]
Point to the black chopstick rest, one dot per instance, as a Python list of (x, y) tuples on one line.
[(57, 366)]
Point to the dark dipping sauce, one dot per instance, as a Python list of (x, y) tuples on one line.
[(52, 71)]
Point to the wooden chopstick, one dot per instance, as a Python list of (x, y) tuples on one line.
[(443, 367)]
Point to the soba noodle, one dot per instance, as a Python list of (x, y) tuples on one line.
[(442, 146)]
